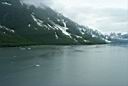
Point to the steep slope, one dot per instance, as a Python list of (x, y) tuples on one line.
[(22, 24)]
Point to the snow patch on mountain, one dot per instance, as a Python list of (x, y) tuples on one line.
[(85, 41), (106, 40), (82, 30), (64, 23), (7, 29), (21, 2), (63, 29), (49, 26), (6, 3), (38, 21), (29, 25), (79, 37), (57, 37)]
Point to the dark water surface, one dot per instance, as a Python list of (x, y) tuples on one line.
[(95, 65)]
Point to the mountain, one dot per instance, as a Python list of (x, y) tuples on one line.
[(22, 24), (117, 37)]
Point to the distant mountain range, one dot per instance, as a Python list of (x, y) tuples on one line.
[(22, 24), (117, 37)]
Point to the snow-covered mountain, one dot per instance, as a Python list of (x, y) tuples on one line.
[(22, 24), (118, 37)]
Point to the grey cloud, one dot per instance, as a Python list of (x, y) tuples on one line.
[(115, 15), (106, 19)]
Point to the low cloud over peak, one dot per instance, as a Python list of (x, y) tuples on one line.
[(105, 15)]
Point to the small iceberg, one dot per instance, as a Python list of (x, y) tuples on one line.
[(37, 65)]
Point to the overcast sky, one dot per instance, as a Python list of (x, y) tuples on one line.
[(104, 15)]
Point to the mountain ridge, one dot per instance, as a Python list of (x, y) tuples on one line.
[(117, 37), (22, 24)]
